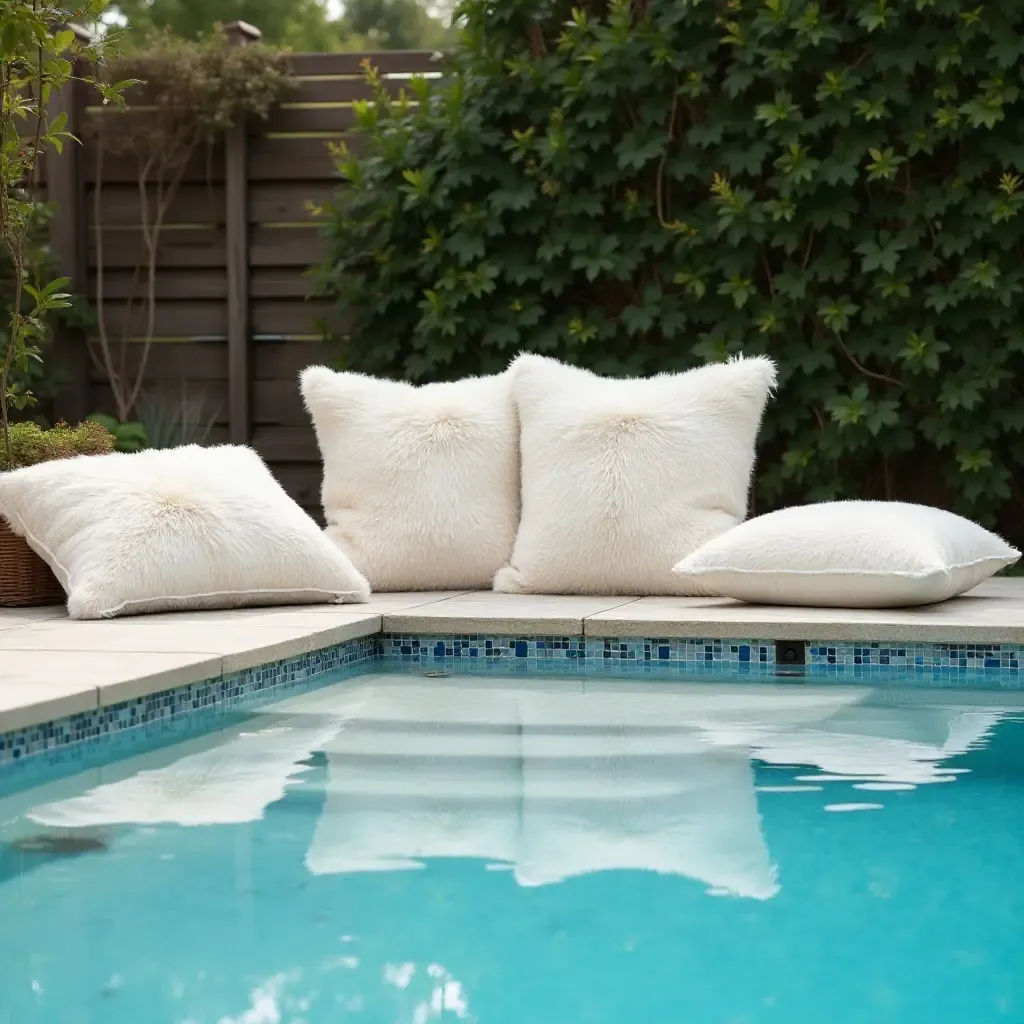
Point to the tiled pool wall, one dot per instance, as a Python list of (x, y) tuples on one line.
[(982, 665), (185, 710), (199, 707)]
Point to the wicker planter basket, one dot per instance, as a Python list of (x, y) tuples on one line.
[(25, 579)]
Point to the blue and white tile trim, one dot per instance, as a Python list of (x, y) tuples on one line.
[(200, 705), (480, 653), (235, 692), (980, 665)]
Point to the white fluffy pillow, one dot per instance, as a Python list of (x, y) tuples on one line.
[(421, 484), (849, 554), (621, 478), (180, 528)]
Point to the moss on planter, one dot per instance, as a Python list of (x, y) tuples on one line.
[(31, 444)]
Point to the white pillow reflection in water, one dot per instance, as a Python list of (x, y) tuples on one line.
[(425, 771), (230, 783), (513, 777), (889, 745)]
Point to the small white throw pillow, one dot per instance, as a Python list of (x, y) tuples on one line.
[(421, 484), (621, 478), (849, 554), (172, 529)]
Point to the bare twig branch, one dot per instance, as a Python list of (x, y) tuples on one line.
[(864, 369)]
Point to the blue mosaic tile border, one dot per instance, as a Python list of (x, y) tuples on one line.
[(82, 740), (478, 652), (990, 666), (153, 715)]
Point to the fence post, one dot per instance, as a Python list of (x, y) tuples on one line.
[(236, 202), (65, 190)]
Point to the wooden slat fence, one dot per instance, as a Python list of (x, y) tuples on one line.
[(233, 323)]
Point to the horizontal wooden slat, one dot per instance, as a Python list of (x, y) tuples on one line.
[(335, 90), (302, 481), (386, 61), (170, 283), (280, 283), (283, 360), (177, 247), (308, 119), (202, 318), (172, 362), (201, 168), (210, 397), (121, 205), (285, 247), (286, 201), (286, 444), (171, 319), (290, 167), (278, 402), (297, 159), (288, 318)]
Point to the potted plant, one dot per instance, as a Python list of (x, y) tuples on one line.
[(38, 54), (25, 579)]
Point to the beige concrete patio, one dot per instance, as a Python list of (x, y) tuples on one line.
[(51, 667)]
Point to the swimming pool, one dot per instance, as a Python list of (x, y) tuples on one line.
[(396, 848)]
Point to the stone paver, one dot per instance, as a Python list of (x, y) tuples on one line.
[(12, 618), (487, 612), (36, 686), (51, 666), (992, 613), (242, 642)]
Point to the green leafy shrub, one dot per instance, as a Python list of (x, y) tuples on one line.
[(187, 94), (30, 444), (37, 60), (40, 379), (171, 420), (642, 185), (128, 437)]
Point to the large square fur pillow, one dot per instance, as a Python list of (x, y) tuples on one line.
[(172, 529), (421, 484), (623, 478)]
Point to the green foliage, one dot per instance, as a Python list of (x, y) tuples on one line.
[(190, 92), (37, 53), (30, 444), (126, 437), (391, 25), (41, 379), (643, 185), (303, 25), (170, 420)]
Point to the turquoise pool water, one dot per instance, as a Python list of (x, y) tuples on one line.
[(394, 850)]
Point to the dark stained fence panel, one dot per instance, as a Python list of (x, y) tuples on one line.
[(284, 360), (193, 318), (287, 201), (295, 318), (296, 158), (292, 246), (289, 171), (280, 283), (319, 118), (204, 166), (286, 444), (170, 283), (387, 62), (176, 247), (195, 361)]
